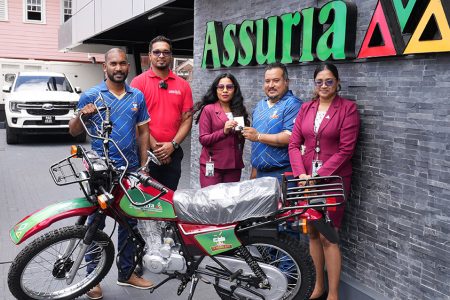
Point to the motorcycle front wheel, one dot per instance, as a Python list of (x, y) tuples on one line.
[(288, 255), (40, 269)]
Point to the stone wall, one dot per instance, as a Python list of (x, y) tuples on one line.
[(395, 237)]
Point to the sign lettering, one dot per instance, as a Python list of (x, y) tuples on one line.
[(397, 27)]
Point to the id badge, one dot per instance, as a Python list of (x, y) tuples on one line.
[(316, 165), (209, 172)]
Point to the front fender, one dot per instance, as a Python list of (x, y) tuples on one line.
[(43, 218)]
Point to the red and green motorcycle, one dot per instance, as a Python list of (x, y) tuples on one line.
[(225, 235)]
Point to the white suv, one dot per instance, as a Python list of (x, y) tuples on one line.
[(39, 102)]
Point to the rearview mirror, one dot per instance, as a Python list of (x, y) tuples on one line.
[(77, 89)]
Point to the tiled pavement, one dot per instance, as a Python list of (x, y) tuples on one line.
[(26, 185)]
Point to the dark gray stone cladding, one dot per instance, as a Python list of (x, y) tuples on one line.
[(395, 236)]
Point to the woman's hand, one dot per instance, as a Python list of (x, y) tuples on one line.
[(303, 183), (229, 125)]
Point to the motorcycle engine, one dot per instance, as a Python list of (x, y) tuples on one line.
[(163, 254)]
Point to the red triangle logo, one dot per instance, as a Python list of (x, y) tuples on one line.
[(378, 40)]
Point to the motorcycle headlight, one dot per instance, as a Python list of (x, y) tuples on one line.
[(14, 106)]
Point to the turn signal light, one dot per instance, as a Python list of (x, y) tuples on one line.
[(304, 227), (73, 150), (102, 201)]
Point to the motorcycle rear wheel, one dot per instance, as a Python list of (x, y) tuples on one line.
[(286, 254), (39, 273)]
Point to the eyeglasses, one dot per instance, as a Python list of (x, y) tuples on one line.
[(163, 85), (158, 53), (328, 82), (229, 87)]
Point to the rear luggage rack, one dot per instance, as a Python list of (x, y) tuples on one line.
[(316, 193)]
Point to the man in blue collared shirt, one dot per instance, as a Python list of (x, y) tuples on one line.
[(273, 119), (128, 113)]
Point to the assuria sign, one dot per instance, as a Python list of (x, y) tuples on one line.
[(398, 27)]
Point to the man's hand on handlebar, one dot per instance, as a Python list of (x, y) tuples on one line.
[(88, 110)]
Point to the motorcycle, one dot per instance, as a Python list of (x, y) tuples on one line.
[(225, 235)]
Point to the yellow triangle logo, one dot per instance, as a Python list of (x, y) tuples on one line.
[(434, 13)]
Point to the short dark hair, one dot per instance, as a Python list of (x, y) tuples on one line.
[(160, 38), (278, 65), (115, 50), (327, 66)]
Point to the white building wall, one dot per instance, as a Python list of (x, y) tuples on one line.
[(91, 17)]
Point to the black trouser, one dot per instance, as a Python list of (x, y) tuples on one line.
[(169, 174)]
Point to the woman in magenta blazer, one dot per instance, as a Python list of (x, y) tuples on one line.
[(328, 128), (220, 135)]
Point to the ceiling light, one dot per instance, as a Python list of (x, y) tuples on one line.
[(155, 15)]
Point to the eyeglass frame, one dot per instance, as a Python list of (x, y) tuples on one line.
[(158, 53), (328, 82), (229, 87)]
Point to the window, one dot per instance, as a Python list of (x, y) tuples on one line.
[(3, 10), (42, 83), (35, 11), (67, 10)]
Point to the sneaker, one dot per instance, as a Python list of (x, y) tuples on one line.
[(137, 282), (95, 293)]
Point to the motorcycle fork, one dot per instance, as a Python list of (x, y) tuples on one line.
[(68, 251), (87, 240)]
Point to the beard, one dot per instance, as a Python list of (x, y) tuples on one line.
[(161, 64), (111, 77)]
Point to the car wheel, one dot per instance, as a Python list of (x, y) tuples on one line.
[(12, 137)]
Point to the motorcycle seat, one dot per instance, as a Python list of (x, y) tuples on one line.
[(226, 203)]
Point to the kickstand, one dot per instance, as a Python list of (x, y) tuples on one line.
[(193, 286), (173, 276)]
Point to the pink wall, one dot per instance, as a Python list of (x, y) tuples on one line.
[(38, 41)]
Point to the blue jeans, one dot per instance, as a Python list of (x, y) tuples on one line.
[(126, 258), (278, 173)]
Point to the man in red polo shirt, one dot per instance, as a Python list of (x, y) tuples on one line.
[(169, 103)]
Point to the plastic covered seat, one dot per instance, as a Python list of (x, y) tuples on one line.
[(226, 203)]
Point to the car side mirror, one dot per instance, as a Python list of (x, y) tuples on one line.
[(6, 88), (77, 90)]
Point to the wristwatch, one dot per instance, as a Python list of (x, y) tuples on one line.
[(175, 145)]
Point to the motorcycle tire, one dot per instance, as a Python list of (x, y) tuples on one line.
[(39, 273), (293, 253)]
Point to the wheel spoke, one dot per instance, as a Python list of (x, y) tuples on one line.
[(43, 265)]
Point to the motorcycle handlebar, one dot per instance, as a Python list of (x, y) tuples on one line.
[(147, 181)]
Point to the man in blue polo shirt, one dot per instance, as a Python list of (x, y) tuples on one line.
[(128, 113), (273, 119)]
